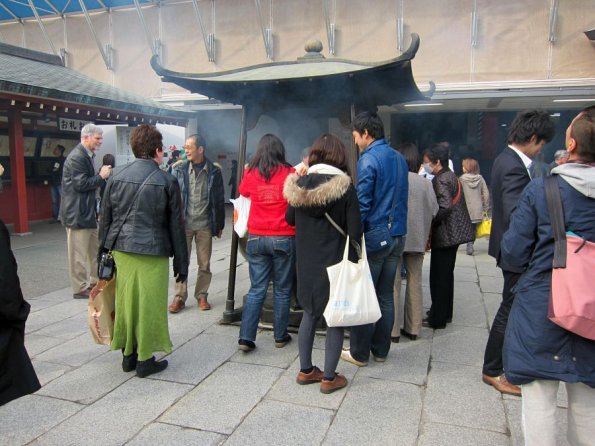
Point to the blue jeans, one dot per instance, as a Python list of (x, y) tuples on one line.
[(376, 337), (269, 258), (56, 191)]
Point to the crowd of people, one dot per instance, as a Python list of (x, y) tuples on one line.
[(297, 227)]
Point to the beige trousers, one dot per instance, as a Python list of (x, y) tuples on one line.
[(204, 247), (82, 245), (540, 426), (413, 294)]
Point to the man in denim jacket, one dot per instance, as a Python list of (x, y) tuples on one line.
[(382, 189)]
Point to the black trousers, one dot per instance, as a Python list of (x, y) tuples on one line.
[(492, 361), (442, 282)]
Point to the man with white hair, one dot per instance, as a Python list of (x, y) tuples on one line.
[(78, 209), (560, 157)]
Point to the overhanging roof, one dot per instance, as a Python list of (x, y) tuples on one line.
[(310, 81), (16, 10), (32, 74)]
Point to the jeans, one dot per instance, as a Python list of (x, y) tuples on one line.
[(269, 258), (376, 337), (56, 191)]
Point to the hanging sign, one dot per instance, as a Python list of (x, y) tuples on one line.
[(71, 125)]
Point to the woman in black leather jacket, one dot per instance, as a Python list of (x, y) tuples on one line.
[(450, 228), (142, 224)]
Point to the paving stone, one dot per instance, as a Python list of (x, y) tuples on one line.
[(490, 284), (55, 313), (406, 362), (195, 360), (386, 411), (69, 328), (266, 353), (456, 394), (188, 324), (37, 344), (28, 417), (90, 382), (275, 423), (48, 371), (76, 352), (447, 435), (165, 434), (230, 393), (492, 303), (117, 417), (468, 305), (287, 390), (460, 345)]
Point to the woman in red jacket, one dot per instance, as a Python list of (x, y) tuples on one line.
[(270, 245)]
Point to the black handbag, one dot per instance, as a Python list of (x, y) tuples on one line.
[(106, 266)]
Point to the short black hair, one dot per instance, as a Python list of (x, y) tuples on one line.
[(528, 123), (61, 148), (199, 141), (438, 151), (368, 121)]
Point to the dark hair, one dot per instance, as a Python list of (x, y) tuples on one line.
[(328, 149), (269, 156), (109, 160), (411, 155), (528, 123), (582, 130), (471, 165), (368, 121), (145, 140), (199, 141), (438, 152), (61, 148)]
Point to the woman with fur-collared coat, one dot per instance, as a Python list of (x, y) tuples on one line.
[(325, 189)]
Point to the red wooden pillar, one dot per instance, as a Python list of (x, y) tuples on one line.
[(17, 170)]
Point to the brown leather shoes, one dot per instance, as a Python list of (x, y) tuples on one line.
[(501, 384), (177, 305), (203, 305), (315, 376), (330, 386), (82, 294)]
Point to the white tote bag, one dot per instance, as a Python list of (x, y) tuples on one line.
[(352, 298), (241, 211)]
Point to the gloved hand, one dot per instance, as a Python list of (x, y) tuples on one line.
[(181, 277)]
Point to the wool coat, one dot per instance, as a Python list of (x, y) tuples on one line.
[(318, 243), (17, 376), (535, 347)]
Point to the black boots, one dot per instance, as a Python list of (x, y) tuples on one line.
[(129, 362), (150, 366)]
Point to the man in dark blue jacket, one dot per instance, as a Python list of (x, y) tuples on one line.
[(382, 189), (203, 201)]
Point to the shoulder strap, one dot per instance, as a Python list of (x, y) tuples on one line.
[(353, 243), (455, 200), (556, 211), (130, 208)]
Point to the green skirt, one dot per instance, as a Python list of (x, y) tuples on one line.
[(141, 304)]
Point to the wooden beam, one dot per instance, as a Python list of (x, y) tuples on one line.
[(17, 170)]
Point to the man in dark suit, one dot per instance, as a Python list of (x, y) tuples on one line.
[(527, 135)]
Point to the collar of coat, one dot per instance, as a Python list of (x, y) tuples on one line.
[(312, 190)]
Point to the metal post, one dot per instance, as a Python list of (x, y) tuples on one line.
[(208, 40), (231, 314), (353, 156), (106, 58), (43, 30), (145, 28)]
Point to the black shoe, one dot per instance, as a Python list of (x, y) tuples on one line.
[(395, 339), (246, 346), (129, 362), (280, 343), (426, 323), (408, 335), (150, 366)]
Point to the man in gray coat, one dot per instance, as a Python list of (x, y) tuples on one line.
[(78, 210)]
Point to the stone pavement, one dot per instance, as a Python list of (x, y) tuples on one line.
[(428, 392)]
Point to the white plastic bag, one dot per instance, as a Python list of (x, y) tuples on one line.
[(241, 210), (352, 299)]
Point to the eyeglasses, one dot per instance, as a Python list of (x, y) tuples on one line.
[(187, 147)]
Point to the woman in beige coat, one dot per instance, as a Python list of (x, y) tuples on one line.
[(477, 196)]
